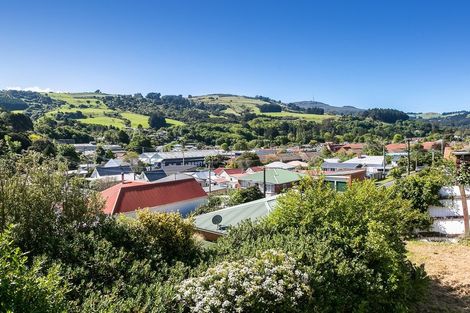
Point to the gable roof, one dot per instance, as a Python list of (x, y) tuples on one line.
[(131, 196), (367, 160), (113, 171), (281, 165), (340, 165), (256, 169), (274, 176), (154, 175), (115, 163), (396, 147), (232, 216)]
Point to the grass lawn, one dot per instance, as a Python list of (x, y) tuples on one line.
[(136, 119), (448, 267), (104, 120), (312, 117)]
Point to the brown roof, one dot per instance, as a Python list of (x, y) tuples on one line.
[(130, 196)]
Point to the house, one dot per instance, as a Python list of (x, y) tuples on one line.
[(229, 176), (254, 169), (276, 180), (298, 164), (281, 165), (166, 195), (448, 216), (333, 165), (113, 173), (115, 163), (340, 180), (165, 159), (152, 175), (351, 148), (232, 216), (374, 164)]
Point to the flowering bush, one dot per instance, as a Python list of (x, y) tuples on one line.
[(271, 282)]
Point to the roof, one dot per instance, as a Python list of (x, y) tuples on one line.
[(298, 163), (130, 196), (256, 168), (154, 175), (232, 216), (174, 177), (340, 165), (396, 147), (113, 171), (172, 169), (367, 160), (232, 171), (219, 170), (115, 162), (273, 176), (278, 164), (188, 154), (353, 146)]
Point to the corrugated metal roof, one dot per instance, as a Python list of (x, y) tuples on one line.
[(130, 196), (274, 176), (234, 215)]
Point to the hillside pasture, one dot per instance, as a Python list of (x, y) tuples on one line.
[(305, 116)]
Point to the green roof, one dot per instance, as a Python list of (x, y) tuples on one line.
[(232, 216), (274, 177)]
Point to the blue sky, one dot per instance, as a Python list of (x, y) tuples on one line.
[(409, 55)]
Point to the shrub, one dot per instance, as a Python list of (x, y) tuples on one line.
[(27, 289), (271, 282)]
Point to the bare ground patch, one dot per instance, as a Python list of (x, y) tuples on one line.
[(448, 267)]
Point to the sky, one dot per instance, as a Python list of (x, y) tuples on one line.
[(409, 55)]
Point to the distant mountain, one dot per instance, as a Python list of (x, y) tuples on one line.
[(330, 109)]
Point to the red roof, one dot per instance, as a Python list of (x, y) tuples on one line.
[(353, 146), (396, 147), (219, 170), (232, 171), (130, 196), (256, 168)]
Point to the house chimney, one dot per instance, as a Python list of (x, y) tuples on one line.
[(122, 177)]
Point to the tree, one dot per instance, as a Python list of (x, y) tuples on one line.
[(463, 179), (123, 137), (26, 288), (224, 146), (240, 196), (246, 160), (69, 154), (157, 121)]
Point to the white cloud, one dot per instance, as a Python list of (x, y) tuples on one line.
[(35, 88)]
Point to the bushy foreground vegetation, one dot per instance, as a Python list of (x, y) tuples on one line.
[(319, 251)]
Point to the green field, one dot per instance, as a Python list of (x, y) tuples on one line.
[(235, 104), (173, 122), (311, 117), (104, 120), (96, 111), (136, 119)]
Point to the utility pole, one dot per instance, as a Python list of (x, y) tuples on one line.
[(385, 161), (264, 181), (210, 170), (408, 154)]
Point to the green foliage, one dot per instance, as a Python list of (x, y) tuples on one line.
[(386, 115), (244, 195), (246, 160), (349, 243), (271, 282), (156, 120), (26, 288), (422, 189)]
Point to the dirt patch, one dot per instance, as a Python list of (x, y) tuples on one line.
[(448, 267)]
